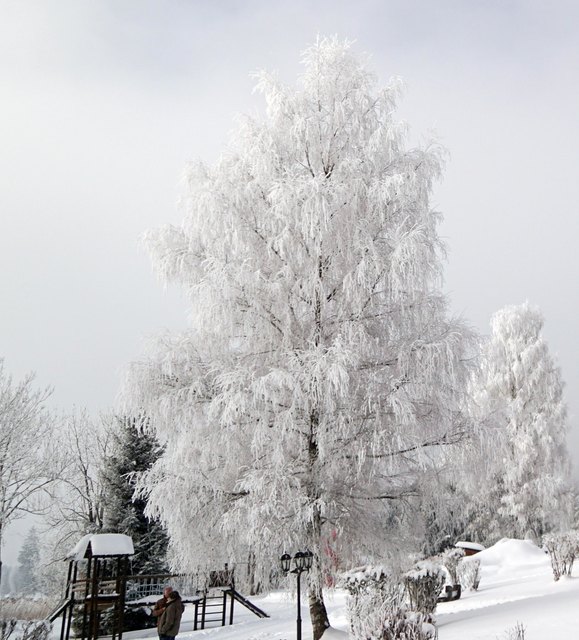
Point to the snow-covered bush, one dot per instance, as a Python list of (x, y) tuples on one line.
[(377, 609), (409, 625), (469, 573), (563, 548), (375, 594), (28, 630), (423, 585), (450, 559)]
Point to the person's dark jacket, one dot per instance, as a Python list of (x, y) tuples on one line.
[(171, 618), (158, 609)]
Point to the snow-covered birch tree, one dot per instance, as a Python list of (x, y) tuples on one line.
[(320, 373), (25, 463), (519, 395)]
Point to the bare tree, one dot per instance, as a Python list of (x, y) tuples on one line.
[(77, 502), (25, 461)]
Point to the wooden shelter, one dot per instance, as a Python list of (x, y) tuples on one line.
[(97, 577)]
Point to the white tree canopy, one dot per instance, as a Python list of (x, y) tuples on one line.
[(320, 372), (519, 393)]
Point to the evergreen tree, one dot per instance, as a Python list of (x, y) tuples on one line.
[(519, 397), (132, 453), (321, 373), (29, 564)]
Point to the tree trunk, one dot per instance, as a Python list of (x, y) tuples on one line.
[(318, 613), (254, 585)]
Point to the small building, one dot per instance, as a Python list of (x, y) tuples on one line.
[(470, 548)]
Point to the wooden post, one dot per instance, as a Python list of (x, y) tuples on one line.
[(231, 606), (94, 617), (84, 630), (66, 597), (122, 591), (203, 611), (72, 599)]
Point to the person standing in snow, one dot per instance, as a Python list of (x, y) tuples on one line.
[(160, 606), (171, 617)]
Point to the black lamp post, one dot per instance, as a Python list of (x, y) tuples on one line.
[(302, 561)]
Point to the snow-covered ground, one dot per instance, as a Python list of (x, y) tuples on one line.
[(516, 586)]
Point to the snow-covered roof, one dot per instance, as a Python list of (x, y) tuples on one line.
[(103, 544), (475, 546)]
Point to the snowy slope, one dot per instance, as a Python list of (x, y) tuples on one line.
[(517, 586)]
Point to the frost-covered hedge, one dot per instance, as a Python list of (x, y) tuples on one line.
[(563, 548), (374, 595), (377, 608), (469, 573), (423, 585), (451, 559), (409, 625)]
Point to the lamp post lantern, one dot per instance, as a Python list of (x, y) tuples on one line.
[(286, 561), (302, 561)]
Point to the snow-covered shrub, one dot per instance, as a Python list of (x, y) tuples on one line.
[(27, 630), (375, 594), (377, 609), (450, 559), (469, 573), (423, 585), (409, 625), (563, 548)]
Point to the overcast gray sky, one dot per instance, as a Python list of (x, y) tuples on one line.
[(103, 102)]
